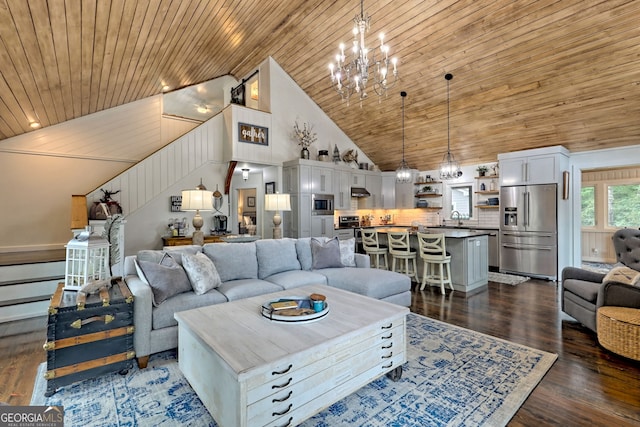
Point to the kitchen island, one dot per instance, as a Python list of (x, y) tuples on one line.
[(469, 255)]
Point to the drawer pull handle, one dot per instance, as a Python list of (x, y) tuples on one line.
[(387, 366), (384, 347), (283, 371), (282, 385), (77, 324), (388, 327), (387, 337), (388, 355), (288, 422), (284, 398), (277, 414)]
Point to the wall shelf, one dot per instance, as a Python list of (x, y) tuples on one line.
[(488, 206), (488, 192), (420, 195)]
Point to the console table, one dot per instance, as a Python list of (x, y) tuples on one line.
[(181, 241)]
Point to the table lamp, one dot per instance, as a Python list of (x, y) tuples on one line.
[(276, 203), (197, 200)]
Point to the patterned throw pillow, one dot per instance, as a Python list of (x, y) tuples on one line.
[(202, 272), (348, 252), (325, 255)]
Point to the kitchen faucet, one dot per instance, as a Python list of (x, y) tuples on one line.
[(457, 217)]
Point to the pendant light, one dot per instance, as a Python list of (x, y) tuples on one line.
[(403, 173), (449, 168)]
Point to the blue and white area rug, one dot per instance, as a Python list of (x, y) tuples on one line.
[(453, 377)]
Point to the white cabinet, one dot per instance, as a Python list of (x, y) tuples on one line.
[(358, 179), (321, 226), (404, 195), (342, 189), (538, 166), (388, 191), (321, 180), (373, 184), (297, 222), (344, 234), (297, 179)]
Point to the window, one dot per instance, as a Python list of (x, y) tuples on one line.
[(588, 197), (622, 205), (461, 201)]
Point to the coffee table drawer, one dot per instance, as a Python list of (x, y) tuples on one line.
[(322, 378), (383, 338)]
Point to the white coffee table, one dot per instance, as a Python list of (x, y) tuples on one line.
[(252, 371)]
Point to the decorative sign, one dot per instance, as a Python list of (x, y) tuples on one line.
[(176, 203), (253, 134)]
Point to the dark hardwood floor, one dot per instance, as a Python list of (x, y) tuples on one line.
[(587, 385)]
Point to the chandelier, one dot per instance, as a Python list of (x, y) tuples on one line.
[(351, 75), (403, 173), (449, 168)]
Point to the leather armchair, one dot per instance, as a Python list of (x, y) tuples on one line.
[(583, 291)]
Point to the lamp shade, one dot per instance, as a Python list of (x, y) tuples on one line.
[(277, 202), (194, 200)]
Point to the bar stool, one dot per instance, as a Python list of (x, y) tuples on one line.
[(399, 248), (373, 248), (433, 252)]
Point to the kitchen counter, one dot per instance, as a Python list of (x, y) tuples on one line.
[(469, 255)]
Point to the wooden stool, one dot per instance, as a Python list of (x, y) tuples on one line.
[(374, 249), (434, 255), (400, 248), (619, 330)]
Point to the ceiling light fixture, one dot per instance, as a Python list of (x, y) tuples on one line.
[(202, 109), (449, 168), (34, 125), (245, 174), (352, 76), (403, 173)]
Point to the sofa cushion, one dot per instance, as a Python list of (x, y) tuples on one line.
[(371, 282), (348, 252), (162, 316), (201, 271), (276, 256), (296, 278), (166, 279), (233, 261), (245, 288), (325, 254), (175, 252)]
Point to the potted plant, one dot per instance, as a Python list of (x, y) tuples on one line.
[(305, 138), (482, 170)]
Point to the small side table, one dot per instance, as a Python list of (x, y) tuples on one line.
[(619, 330)]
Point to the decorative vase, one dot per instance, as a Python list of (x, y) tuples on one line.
[(304, 154)]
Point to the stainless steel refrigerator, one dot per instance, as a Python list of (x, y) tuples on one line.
[(529, 230)]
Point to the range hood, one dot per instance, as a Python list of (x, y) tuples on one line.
[(359, 192)]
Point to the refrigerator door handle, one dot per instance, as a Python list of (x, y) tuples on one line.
[(526, 209)]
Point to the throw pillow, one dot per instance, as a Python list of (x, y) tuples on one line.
[(201, 271), (348, 252), (165, 280), (325, 255), (625, 275)]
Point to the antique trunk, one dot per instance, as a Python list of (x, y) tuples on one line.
[(88, 336)]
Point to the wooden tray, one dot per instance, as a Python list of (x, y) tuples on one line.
[(303, 302)]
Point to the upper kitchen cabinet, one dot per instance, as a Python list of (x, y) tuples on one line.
[(342, 189), (388, 192), (296, 178), (373, 184), (404, 195), (247, 136), (322, 179), (537, 166)]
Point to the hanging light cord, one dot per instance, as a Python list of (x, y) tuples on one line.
[(403, 94), (448, 77)]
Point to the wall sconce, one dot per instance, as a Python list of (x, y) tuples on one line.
[(245, 174)]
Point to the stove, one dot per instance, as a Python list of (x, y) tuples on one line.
[(349, 221)]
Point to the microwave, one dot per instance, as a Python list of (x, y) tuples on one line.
[(322, 204)]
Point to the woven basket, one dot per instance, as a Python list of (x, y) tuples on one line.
[(619, 330)]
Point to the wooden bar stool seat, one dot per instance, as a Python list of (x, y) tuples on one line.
[(400, 249), (434, 255), (373, 248)]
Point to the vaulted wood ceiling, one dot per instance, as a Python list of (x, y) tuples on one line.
[(526, 73)]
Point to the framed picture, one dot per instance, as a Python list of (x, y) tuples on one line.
[(251, 202), (270, 188), (253, 134)]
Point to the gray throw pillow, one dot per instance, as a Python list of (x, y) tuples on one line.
[(327, 254), (166, 279), (201, 271)]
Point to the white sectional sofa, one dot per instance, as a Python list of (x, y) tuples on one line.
[(244, 270)]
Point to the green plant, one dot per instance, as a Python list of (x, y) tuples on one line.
[(482, 169)]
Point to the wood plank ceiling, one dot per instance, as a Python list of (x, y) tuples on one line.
[(527, 74)]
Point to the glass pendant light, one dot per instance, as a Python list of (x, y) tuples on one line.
[(403, 173), (449, 167)]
